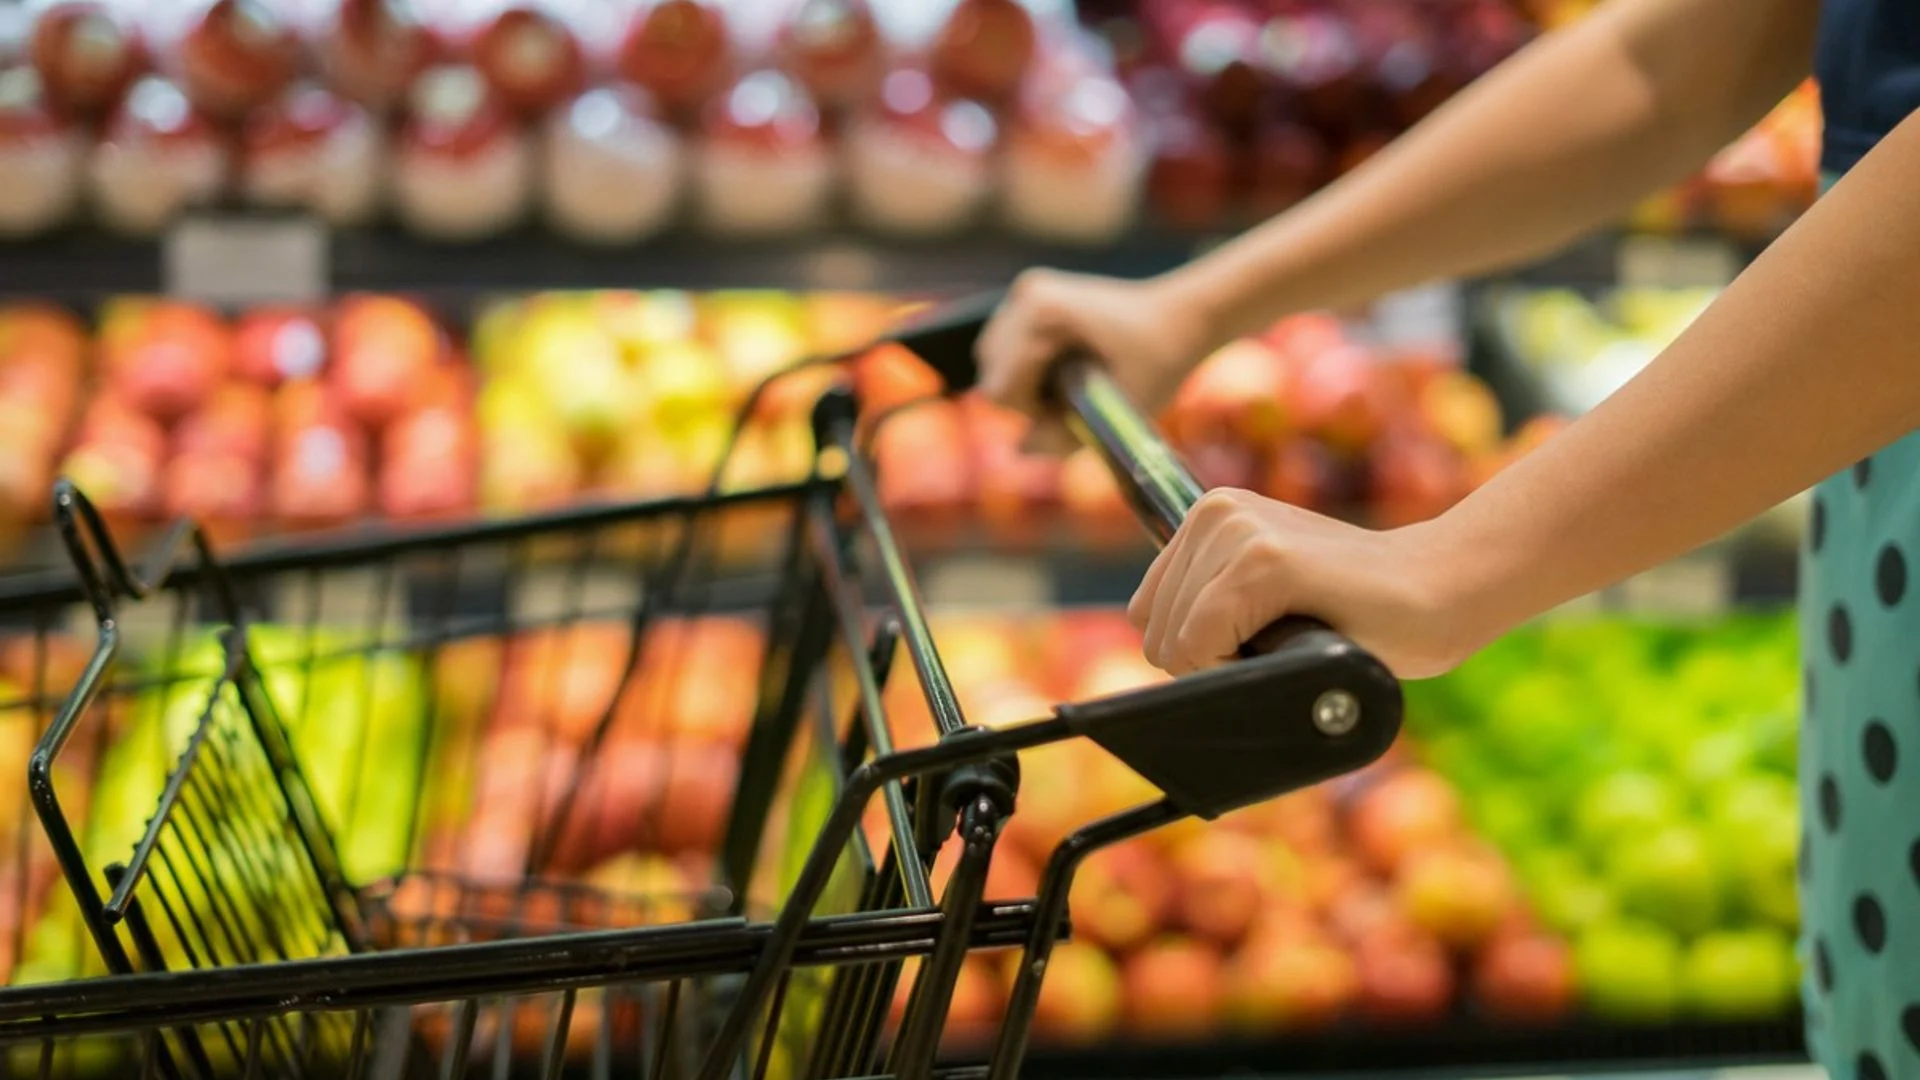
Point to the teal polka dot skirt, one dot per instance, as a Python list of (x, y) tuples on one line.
[(1860, 769)]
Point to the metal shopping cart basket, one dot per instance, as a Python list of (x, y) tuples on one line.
[(296, 885)]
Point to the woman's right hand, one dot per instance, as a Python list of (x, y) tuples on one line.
[(1148, 338)]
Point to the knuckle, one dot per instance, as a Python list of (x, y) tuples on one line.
[(1215, 507), (1032, 285)]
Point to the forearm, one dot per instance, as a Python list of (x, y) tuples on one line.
[(1805, 365), (1559, 140)]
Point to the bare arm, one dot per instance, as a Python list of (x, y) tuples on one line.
[(1803, 366), (1563, 138)]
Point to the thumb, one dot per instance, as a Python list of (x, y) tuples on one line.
[(1049, 437)]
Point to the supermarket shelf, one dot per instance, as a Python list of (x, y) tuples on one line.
[(82, 267), (1461, 1048)]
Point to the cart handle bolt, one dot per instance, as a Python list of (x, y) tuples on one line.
[(1336, 712)]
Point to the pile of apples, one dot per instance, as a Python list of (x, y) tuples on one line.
[(609, 120), (1309, 412), (625, 395), (1254, 104), (295, 417), (1368, 899), (43, 360)]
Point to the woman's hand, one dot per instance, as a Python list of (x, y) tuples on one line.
[(1147, 336), (1240, 561)]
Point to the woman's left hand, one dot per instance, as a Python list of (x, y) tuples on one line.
[(1241, 561)]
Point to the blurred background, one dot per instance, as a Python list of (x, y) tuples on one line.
[(298, 265)]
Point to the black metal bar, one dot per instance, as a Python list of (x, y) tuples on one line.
[(1016, 1026), (926, 1020)]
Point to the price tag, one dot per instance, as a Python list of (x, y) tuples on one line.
[(969, 581), (247, 260), (842, 269), (1662, 263)]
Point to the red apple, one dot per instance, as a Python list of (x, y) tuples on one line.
[(87, 53), (835, 49), (763, 166), (385, 350), (373, 50), (1405, 812), (313, 150), (984, 49), (1525, 978), (1337, 396), (219, 490), (1075, 163), (1122, 896), (1482, 34), (233, 423), (679, 50), (181, 354), (1191, 181), (1415, 478), (40, 158), (1407, 59), (531, 57), (236, 55), (1216, 46), (108, 419), (121, 478), (1459, 894), (159, 156), (920, 163), (277, 344), (1174, 990), (462, 170), (1290, 161), (1289, 983), (1236, 395), (1301, 473), (319, 476), (923, 462), (1314, 55), (1404, 979), (614, 168)]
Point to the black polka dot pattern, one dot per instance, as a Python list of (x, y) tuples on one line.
[(1910, 1024), (1829, 803), (1822, 967), (1870, 1067), (1863, 472), (1817, 528), (1890, 575), (1870, 922), (1881, 754), (1840, 633)]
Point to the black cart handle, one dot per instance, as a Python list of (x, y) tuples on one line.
[(1151, 476)]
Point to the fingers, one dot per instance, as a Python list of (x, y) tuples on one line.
[(1213, 587), (1021, 341)]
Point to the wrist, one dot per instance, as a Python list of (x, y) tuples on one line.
[(1469, 583)]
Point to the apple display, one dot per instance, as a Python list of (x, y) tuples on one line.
[(681, 51), (233, 55), (763, 164), (316, 151), (158, 156), (1191, 181), (278, 344), (531, 57), (1312, 53), (918, 163), (87, 53), (1215, 44), (835, 49), (40, 158), (372, 50), (1289, 161), (614, 169), (1074, 164), (463, 170), (984, 49)]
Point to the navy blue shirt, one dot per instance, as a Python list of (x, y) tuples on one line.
[(1869, 71)]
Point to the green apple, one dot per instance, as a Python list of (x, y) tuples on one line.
[(1670, 878), (1569, 899), (1754, 824), (1629, 971), (1623, 805), (1739, 975)]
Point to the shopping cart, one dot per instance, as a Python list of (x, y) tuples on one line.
[(248, 926)]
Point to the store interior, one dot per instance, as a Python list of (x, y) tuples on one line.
[(404, 303)]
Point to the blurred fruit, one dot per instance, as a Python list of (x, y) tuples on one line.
[(1409, 811), (1526, 979), (1080, 996), (383, 350), (1460, 894), (1668, 877), (1289, 984), (1174, 990), (1739, 975), (1629, 971), (1404, 979)]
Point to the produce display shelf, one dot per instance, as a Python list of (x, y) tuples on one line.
[(83, 266), (1462, 1047)]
